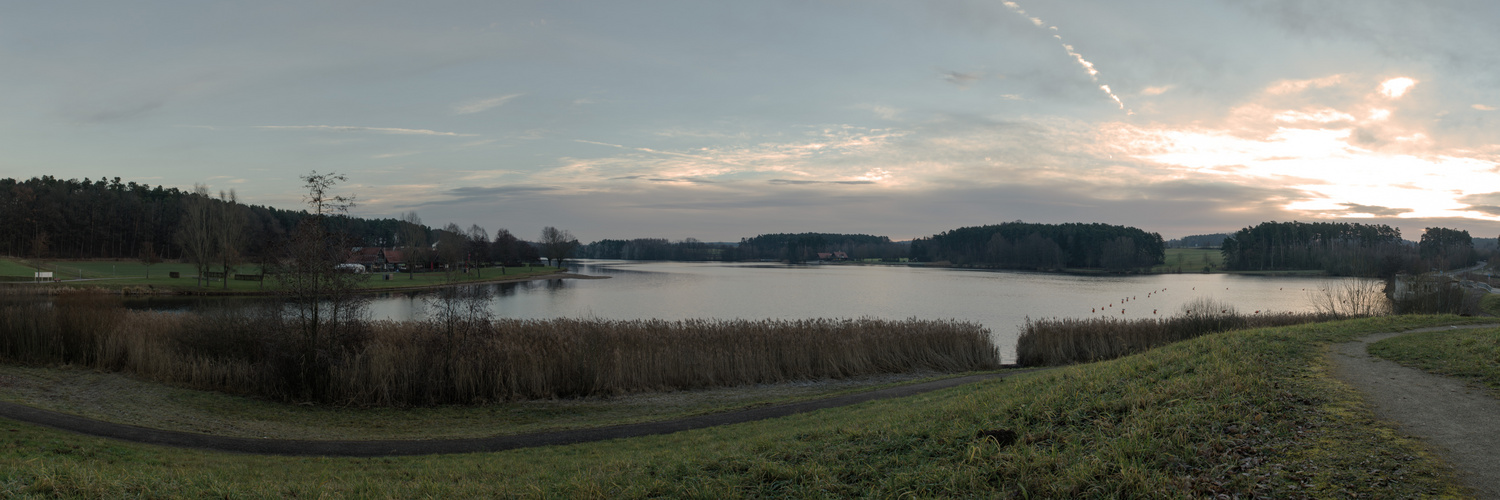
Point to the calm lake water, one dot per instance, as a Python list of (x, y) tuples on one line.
[(999, 300)]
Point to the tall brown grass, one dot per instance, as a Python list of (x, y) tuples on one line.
[(1062, 341), (422, 363)]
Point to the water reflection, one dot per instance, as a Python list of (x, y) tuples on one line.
[(1000, 300)]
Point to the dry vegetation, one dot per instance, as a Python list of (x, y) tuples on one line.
[(426, 363), (1062, 341)]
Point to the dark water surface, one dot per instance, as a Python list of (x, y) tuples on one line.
[(999, 300)]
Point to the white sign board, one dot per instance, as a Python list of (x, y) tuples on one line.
[(44, 274)]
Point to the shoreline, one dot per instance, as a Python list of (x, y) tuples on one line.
[(152, 290)]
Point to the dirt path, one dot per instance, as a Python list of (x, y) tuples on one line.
[(429, 447), (1461, 421)]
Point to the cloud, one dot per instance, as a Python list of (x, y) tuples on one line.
[(962, 80), (1482, 199), (376, 130), (467, 195), (1355, 208), (1283, 87), (804, 182), (1482, 107), (1088, 67), (883, 111), (120, 112), (472, 107), (1158, 90), (1375, 166), (1396, 87)]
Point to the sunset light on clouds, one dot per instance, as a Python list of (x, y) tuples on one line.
[(719, 121)]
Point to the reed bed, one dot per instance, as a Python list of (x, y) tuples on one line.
[(1063, 341), (422, 363)]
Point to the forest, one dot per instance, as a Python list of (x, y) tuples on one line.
[(1347, 249), (801, 247), (657, 249), (1021, 245), (52, 218)]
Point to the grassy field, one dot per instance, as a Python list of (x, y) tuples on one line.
[(15, 268), (1243, 412), (1470, 354), (111, 274), (1190, 260)]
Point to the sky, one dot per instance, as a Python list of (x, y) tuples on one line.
[(723, 120)]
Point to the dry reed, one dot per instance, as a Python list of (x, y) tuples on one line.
[(420, 363), (1062, 341)]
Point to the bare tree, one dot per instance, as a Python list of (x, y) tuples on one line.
[(229, 232), (477, 247), (557, 245), (195, 234), (323, 300)]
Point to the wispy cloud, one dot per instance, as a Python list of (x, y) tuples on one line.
[(1087, 66), (463, 195), (962, 80), (374, 130), (1482, 107), (1158, 90), (1379, 211), (472, 107), (1283, 87), (795, 182)]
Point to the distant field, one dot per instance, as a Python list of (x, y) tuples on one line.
[(131, 273), (13, 268), (1191, 260)]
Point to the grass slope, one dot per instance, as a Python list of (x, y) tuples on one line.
[(1470, 354), (1239, 412), (1490, 304), (119, 398)]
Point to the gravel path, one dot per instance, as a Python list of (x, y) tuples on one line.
[(429, 447), (1461, 421)]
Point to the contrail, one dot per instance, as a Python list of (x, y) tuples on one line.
[(1087, 66)]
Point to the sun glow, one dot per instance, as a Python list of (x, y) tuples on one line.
[(1344, 166), (1397, 87)]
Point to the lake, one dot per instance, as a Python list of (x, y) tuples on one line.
[(999, 300)]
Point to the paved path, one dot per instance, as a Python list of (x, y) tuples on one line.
[(429, 447), (1461, 421)]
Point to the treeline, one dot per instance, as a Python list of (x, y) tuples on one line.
[(1344, 248), (1020, 245), (657, 249), (105, 218), (802, 247)]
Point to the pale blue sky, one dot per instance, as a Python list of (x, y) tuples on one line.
[(719, 120)]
